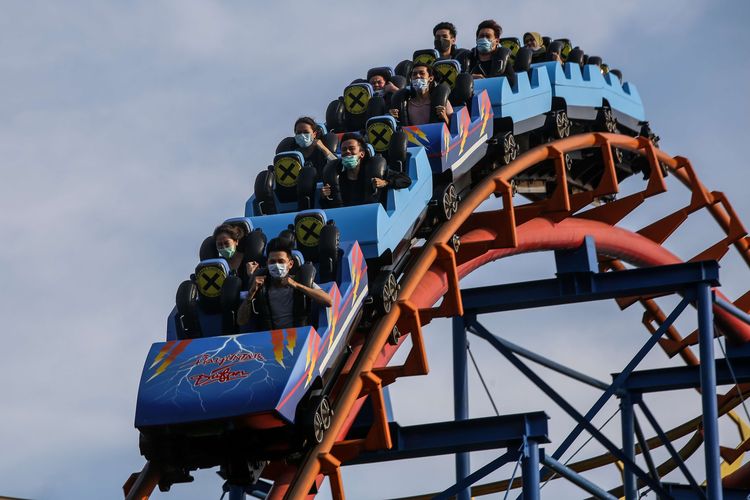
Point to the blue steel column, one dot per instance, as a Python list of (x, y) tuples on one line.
[(530, 470), (628, 445), (461, 395), (708, 392)]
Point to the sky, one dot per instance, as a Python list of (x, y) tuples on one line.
[(130, 129)]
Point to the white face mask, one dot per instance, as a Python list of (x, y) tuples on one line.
[(277, 270)]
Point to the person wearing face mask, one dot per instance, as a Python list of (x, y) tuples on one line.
[(347, 184), (424, 102), (445, 44), (280, 301), (533, 41), (489, 59), (307, 140), (227, 238)]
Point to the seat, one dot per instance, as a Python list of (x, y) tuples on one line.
[(567, 46), (279, 182), (387, 140), (513, 44), (318, 242), (461, 84), (425, 56)]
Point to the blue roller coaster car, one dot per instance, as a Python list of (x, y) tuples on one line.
[(201, 398)]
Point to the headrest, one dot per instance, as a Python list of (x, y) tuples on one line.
[(298, 257), (511, 43), (241, 222), (385, 71), (286, 168), (322, 127), (209, 277), (356, 97), (446, 71), (307, 227), (379, 131), (567, 46), (370, 150), (425, 56)]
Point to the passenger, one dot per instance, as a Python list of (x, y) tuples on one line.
[(486, 57), (533, 40), (419, 106), (227, 238), (380, 81), (445, 44), (307, 136), (279, 299), (352, 185)]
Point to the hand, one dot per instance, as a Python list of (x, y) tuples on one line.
[(259, 280), (393, 113), (251, 267), (440, 112), (390, 87), (288, 281), (477, 76), (379, 183), (326, 190)]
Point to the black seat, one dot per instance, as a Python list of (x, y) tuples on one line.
[(513, 44), (349, 112), (279, 182), (318, 241), (424, 56), (461, 84), (388, 140)]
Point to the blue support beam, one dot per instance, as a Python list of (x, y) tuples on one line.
[(584, 422), (576, 287), (686, 377), (708, 391), (442, 438), (530, 471), (628, 446), (461, 396)]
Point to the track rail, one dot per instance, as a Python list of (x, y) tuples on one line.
[(487, 236), (553, 223)]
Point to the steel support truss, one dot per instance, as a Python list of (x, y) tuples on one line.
[(577, 281)]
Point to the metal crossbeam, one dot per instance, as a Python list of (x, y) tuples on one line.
[(459, 436), (685, 377), (574, 287)]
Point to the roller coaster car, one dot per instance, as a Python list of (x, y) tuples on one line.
[(453, 150), (550, 101), (238, 400)]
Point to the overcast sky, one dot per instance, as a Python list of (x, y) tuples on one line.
[(130, 129)]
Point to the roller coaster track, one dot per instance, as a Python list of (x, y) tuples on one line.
[(557, 222)]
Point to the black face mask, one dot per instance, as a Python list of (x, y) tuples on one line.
[(442, 44)]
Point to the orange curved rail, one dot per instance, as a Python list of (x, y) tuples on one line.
[(487, 236), (501, 229)]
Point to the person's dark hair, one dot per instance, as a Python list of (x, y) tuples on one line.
[(309, 121), (279, 245), (378, 72), (445, 25), (349, 136), (490, 23), (233, 231)]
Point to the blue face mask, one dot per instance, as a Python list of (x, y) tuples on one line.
[(303, 140), (350, 162), (420, 85), (484, 45), (226, 252), (277, 270)]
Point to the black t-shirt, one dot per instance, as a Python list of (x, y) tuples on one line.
[(353, 190), (483, 68)]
